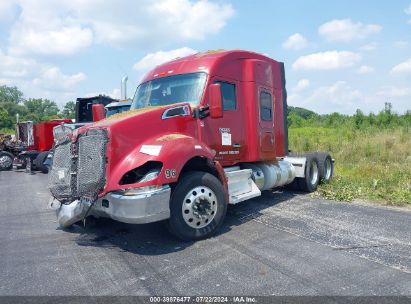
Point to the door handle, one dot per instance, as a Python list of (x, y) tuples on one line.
[(236, 146)]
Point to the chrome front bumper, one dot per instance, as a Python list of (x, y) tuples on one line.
[(145, 206)]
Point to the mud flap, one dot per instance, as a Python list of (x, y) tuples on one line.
[(71, 213)]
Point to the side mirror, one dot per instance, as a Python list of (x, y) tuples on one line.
[(216, 105), (98, 111)]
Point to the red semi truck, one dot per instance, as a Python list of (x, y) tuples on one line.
[(204, 131), (33, 143)]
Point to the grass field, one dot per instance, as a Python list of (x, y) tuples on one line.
[(372, 165)]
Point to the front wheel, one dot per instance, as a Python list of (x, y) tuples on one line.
[(6, 161), (197, 206)]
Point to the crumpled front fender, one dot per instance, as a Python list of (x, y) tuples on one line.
[(173, 150)]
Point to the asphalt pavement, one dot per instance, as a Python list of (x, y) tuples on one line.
[(282, 243)]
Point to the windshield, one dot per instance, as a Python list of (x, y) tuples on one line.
[(115, 110), (169, 90)]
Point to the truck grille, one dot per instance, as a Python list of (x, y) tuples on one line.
[(60, 178), (91, 163), (79, 168)]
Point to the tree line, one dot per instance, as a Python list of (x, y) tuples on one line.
[(12, 102), (384, 119)]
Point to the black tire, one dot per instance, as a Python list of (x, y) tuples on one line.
[(39, 162), (6, 161), (325, 166), (311, 180), (190, 181)]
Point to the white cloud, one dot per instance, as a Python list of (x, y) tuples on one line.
[(295, 42), (301, 85), (193, 20), (338, 97), (331, 60), (12, 67), (65, 41), (52, 79), (402, 68), (7, 10), (369, 47), (345, 30), (393, 92), (365, 69), (38, 80), (66, 27), (151, 60)]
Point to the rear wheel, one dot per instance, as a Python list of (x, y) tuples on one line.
[(6, 161), (326, 166), (197, 206), (311, 180)]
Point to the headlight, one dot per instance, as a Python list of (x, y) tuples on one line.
[(144, 173), (150, 176)]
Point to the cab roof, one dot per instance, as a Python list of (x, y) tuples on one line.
[(205, 61)]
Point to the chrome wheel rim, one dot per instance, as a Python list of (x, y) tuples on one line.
[(199, 207), (5, 161), (327, 166), (313, 173)]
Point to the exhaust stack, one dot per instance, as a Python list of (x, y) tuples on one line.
[(124, 87)]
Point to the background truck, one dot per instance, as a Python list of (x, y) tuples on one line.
[(33, 143), (204, 131), (83, 111), (9, 148)]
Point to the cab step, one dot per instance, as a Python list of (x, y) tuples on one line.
[(241, 186)]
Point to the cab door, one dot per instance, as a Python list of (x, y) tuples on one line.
[(226, 135), (266, 122)]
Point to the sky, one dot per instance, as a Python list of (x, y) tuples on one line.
[(340, 55)]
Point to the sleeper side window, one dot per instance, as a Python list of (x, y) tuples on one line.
[(266, 106), (228, 95)]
